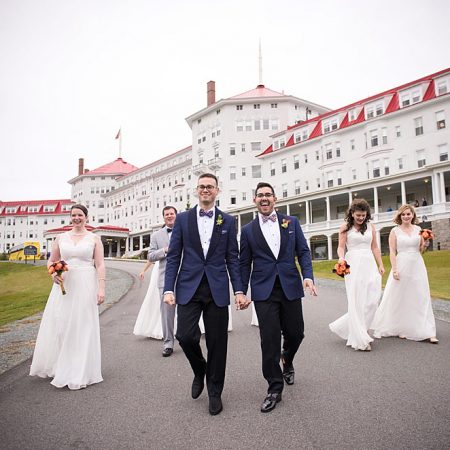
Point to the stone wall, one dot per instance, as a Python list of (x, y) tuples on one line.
[(441, 230)]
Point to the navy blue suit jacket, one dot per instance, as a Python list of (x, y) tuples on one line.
[(256, 251), (186, 263)]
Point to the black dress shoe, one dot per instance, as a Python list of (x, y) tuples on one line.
[(197, 386), (288, 375), (270, 402), (167, 352), (215, 405)]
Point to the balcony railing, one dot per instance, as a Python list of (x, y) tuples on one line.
[(215, 163)]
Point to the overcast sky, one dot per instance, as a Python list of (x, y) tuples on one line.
[(74, 71)]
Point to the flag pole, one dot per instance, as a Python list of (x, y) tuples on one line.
[(119, 136)]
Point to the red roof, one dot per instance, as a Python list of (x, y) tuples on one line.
[(21, 204), (89, 228), (393, 106), (259, 91), (119, 166)]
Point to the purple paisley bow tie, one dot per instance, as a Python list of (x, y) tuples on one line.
[(272, 217), (204, 213)]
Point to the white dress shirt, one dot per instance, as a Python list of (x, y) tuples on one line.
[(271, 232), (205, 229)]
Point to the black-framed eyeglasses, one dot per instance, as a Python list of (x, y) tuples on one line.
[(264, 195), (208, 187)]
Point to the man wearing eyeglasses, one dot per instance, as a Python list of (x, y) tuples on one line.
[(203, 251), (270, 246)]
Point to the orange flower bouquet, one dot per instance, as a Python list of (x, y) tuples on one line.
[(59, 267), (427, 234), (341, 268)]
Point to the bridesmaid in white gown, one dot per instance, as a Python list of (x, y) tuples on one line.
[(68, 343), (148, 322), (363, 283), (405, 310)]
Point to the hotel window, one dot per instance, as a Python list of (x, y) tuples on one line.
[(330, 125), (306, 185), (243, 171), (352, 115), (420, 154), (232, 149), (370, 113), (405, 100), (317, 155), (330, 179), (274, 105), (338, 149), (384, 136), (248, 125), (239, 107), (274, 124), (298, 137), (256, 106), (256, 171), (379, 109), (328, 151), (232, 173), (216, 154), (443, 152), (242, 148), (440, 120), (272, 169), (257, 125), (256, 146), (265, 124), (240, 125), (297, 187), (442, 87), (233, 197), (283, 166), (318, 183), (398, 132), (244, 196), (306, 158), (415, 96), (284, 190), (386, 166), (376, 168), (339, 177), (354, 174), (304, 135), (374, 138), (352, 144), (296, 162), (200, 159), (418, 125)]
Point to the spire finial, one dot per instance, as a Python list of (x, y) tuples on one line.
[(260, 63)]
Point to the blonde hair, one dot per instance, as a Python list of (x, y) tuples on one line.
[(398, 215)]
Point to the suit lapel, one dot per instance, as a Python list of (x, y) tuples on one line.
[(284, 234), (259, 237), (193, 231), (216, 233)]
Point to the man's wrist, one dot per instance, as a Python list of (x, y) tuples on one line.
[(167, 292)]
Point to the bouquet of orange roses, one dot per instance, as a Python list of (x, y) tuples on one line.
[(59, 267), (426, 234), (341, 268)]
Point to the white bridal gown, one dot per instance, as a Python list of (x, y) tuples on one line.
[(363, 286), (148, 322), (68, 342), (405, 309)]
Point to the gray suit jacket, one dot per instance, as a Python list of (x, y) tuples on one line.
[(158, 242)]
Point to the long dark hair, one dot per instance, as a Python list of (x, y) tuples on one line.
[(358, 205)]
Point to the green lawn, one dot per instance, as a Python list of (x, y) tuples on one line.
[(24, 290), (438, 267)]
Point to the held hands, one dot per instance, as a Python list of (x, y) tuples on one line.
[(169, 298), (310, 287), (241, 302)]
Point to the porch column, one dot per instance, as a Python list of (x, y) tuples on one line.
[(239, 223), (375, 202), (141, 242), (327, 201), (434, 188), (350, 198), (330, 249), (442, 187), (402, 187), (254, 214), (109, 248), (118, 248), (308, 221), (308, 241), (288, 210)]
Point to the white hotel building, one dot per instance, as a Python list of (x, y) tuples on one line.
[(390, 148)]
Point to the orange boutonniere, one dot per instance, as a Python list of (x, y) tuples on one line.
[(285, 223), (427, 234), (341, 269)]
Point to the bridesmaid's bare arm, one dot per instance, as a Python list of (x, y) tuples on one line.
[(99, 263)]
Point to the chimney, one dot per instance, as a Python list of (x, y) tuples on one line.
[(211, 92), (80, 166)]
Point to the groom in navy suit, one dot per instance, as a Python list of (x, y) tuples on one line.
[(270, 245), (203, 251)]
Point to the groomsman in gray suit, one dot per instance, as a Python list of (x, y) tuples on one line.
[(159, 245)]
